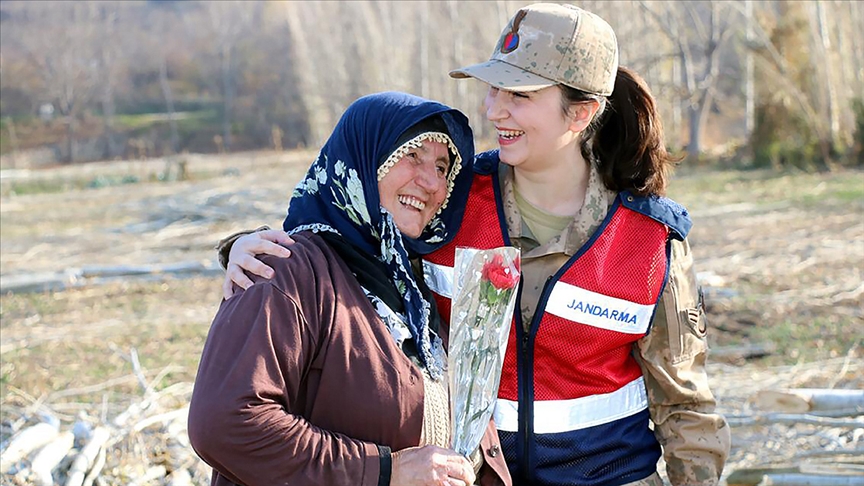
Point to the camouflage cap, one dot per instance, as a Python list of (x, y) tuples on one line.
[(546, 44)]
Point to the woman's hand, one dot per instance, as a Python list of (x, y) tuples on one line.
[(430, 466), (243, 256)]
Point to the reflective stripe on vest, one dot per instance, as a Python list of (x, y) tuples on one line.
[(555, 416)]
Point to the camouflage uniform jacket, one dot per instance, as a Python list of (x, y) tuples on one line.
[(695, 440)]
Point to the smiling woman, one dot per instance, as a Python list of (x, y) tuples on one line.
[(415, 180), (415, 187), (315, 377)]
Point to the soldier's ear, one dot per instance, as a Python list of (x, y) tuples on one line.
[(581, 114)]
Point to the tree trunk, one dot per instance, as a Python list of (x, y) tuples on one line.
[(749, 89), (694, 124), (107, 57), (227, 96), (70, 140), (676, 103), (108, 111), (424, 48), (833, 113), (460, 87), (169, 102)]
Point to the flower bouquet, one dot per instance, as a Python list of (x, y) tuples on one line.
[(484, 296)]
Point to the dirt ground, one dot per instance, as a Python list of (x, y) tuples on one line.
[(781, 257)]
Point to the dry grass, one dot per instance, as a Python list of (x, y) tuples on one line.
[(784, 257)]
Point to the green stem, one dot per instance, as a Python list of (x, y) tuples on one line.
[(470, 391)]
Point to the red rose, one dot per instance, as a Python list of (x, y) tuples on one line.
[(501, 276)]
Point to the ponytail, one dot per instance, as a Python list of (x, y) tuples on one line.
[(625, 139)]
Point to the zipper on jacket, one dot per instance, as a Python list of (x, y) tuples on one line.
[(526, 407), (526, 401)]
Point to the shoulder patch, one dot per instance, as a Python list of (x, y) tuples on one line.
[(660, 209), (486, 162)]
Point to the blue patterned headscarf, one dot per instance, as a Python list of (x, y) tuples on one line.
[(340, 194)]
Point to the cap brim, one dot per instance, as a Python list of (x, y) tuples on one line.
[(503, 76)]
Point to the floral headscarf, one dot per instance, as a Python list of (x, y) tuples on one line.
[(340, 194)]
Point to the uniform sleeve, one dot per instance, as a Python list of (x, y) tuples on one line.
[(695, 439), (249, 380)]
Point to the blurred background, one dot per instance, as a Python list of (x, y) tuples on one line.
[(136, 134), (777, 82)]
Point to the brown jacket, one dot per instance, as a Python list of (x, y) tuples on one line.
[(300, 381)]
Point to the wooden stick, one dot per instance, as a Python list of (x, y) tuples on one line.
[(180, 477), (92, 388), (87, 457), (850, 355), (26, 442), (49, 456), (96, 469), (150, 474), (136, 368), (161, 418)]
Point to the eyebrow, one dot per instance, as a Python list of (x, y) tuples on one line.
[(425, 149)]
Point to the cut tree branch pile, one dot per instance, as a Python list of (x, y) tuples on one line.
[(811, 406), (144, 443)]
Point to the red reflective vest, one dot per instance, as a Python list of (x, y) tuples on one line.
[(572, 406)]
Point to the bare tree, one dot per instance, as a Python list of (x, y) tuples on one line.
[(65, 61), (230, 22), (749, 89), (108, 46), (160, 43), (699, 41)]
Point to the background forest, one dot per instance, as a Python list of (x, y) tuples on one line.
[(766, 83)]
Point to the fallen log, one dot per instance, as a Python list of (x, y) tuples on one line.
[(838, 456), (96, 469), (804, 475), (803, 400), (132, 270), (801, 479), (788, 418), (49, 457), (92, 275), (87, 457), (733, 353), (753, 476), (27, 441)]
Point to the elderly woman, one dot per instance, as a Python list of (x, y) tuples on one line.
[(333, 372)]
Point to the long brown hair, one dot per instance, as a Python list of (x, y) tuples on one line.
[(625, 138)]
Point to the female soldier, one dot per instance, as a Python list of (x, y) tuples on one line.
[(611, 333)]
